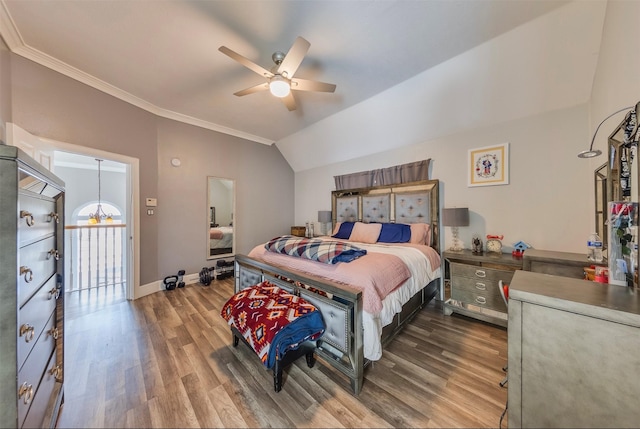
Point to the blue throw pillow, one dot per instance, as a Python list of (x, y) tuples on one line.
[(344, 232), (395, 233)]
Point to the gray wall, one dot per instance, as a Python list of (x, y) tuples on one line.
[(51, 105), (264, 192)]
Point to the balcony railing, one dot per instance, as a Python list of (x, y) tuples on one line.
[(96, 256)]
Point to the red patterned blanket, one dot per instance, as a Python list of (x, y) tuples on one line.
[(272, 320)]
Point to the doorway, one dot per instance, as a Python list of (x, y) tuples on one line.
[(78, 167)]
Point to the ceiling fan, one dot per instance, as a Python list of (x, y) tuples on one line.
[(280, 80)]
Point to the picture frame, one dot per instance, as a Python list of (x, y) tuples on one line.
[(488, 166)]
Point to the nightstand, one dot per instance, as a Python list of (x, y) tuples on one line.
[(475, 284)]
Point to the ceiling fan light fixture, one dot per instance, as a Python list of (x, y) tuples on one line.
[(279, 86)]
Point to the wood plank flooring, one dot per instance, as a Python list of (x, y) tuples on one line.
[(166, 360)]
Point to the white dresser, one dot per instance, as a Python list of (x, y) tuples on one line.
[(31, 292), (574, 353)]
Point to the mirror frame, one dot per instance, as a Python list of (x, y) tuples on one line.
[(614, 189), (209, 206)]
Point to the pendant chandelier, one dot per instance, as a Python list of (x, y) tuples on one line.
[(99, 215)]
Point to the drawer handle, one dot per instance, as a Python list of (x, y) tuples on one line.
[(54, 333), (28, 274), (53, 216), (26, 390), (54, 253), (54, 293), (29, 217), (28, 331), (56, 371), (481, 286), (481, 300), (481, 273)]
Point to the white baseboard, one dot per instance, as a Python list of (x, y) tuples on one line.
[(157, 286), (148, 289)]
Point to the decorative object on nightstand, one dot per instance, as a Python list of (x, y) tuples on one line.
[(298, 231), (476, 245), (519, 248), (455, 218), (494, 245), (324, 217)]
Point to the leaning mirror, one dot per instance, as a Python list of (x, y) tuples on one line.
[(220, 208)]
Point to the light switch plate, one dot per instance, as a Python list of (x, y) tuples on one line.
[(152, 202)]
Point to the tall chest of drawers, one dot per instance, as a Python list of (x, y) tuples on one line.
[(31, 292), (475, 284)]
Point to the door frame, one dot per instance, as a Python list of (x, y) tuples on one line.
[(41, 149)]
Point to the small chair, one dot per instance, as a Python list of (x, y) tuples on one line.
[(504, 292)]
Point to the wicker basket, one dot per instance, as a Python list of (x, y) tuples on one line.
[(298, 231)]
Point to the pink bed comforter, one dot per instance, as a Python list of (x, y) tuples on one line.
[(375, 274)]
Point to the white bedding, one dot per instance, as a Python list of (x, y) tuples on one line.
[(227, 238), (421, 275)]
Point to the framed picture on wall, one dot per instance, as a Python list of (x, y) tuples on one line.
[(488, 166)]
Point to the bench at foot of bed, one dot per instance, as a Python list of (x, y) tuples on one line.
[(278, 326), (306, 349)]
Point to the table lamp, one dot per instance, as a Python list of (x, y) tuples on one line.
[(455, 217), (324, 217)]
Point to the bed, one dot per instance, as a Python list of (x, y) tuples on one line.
[(220, 240), (360, 320)]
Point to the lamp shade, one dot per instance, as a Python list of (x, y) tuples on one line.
[(455, 217), (324, 216)]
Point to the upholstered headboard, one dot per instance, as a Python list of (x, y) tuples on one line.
[(415, 202)]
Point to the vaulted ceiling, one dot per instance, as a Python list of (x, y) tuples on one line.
[(163, 56)]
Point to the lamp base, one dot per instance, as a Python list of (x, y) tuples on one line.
[(457, 245)]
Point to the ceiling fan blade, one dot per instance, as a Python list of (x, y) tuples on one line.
[(289, 101), (245, 62), (251, 90), (294, 57), (311, 85)]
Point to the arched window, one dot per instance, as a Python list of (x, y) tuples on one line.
[(82, 215)]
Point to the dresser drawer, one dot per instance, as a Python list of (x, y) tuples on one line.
[(34, 319), (31, 373), (39, 404), (38, 265), (480, 273), (485, 299), (34, 218)]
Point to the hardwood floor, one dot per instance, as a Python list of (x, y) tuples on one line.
[(166, 360)]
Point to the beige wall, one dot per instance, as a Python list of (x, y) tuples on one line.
[(546, 203), (550, 200), (5, 89), (51, 105), (617, 80)]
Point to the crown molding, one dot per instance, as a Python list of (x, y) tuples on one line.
[(14, 41), (8, 29)]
